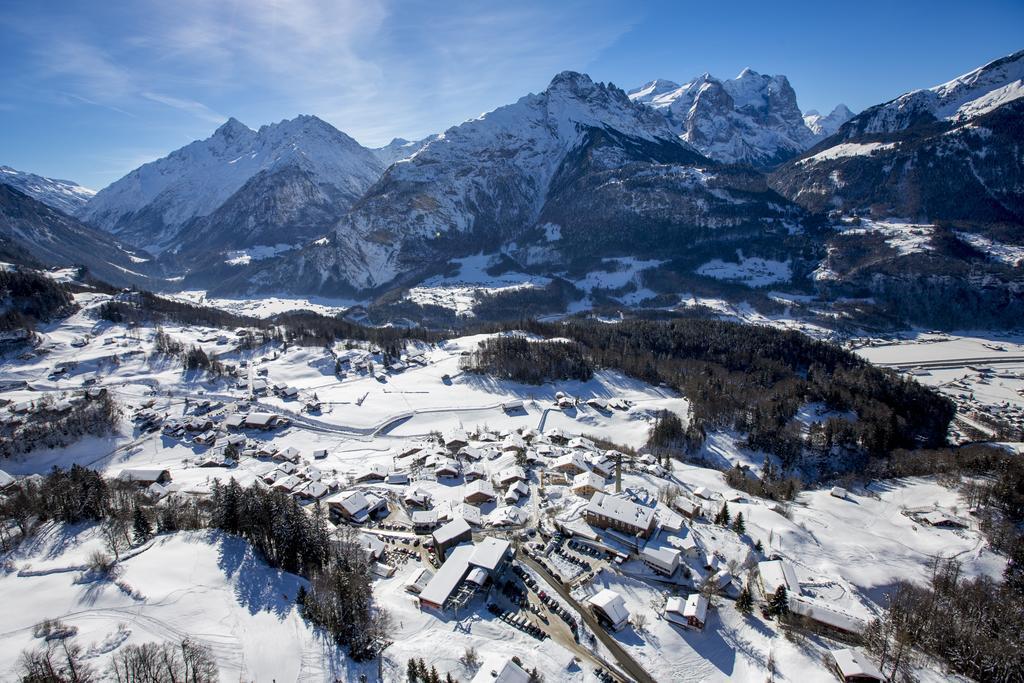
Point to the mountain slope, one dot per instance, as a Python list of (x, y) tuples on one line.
[(32, 233), (751, 119), (500, 179), (155, 203), (825, 126), (952, 152), (63, 195)]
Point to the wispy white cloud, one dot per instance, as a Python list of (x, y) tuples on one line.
[(191, 106)]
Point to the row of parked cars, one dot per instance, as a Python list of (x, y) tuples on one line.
[(518, 621)]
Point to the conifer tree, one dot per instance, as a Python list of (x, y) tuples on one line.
[(739, 526), (142, 528)]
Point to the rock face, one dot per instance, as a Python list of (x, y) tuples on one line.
[(285, 183), (612, 173), (824, 126), (34, 234), (952, 152), (63, 195), (753, 119)]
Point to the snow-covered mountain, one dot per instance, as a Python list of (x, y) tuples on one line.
[(957, 101), (753, 118), (951, 152), (824, 126), (63, 195), (502, 178), (400, 148), (154, 204), (36, 234)]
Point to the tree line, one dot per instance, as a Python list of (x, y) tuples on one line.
[(517, 358)]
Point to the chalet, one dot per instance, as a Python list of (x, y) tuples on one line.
[(451, 534), (480, 491), (314, 490), (261, 420), (686, 544), (397, 478), (610, 609), (458, 439), (234, 421), (569, 464), (505, 516), (510, 475), (691, 614), (290, 454), (416, 497), (290, 393), (355, 506), (474, 472), (516, 491), (703, 492), (424, 520), (145, 477), (470, 513), (942, 520), (685, 506), (513, 406), (598, 404), (289, 484), (472, 453), (603, 466), (614, 512), (259, 386), (376, 472), (664, 561), (854, 666), (586, 484), (447, 470), (557, 436)]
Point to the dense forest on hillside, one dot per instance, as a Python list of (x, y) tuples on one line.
[(28, 297), (754, 379), (529, 361)]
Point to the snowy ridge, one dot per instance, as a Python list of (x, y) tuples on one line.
[(824, 126), (963, 98), (153, 202), (63, 195)]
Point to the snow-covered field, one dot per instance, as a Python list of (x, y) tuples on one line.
[(752, 271), (846, 552)]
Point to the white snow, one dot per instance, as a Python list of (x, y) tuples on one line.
[(243, 257), (1009, 254), (848, 149), (752, 271)]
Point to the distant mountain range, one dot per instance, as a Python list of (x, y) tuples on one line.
[(704, 178)]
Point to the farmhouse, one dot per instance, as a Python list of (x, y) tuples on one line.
[(416, 497), (424, 520), (510, 475), (829, 619), (685, 506), (942, 520), (145, 477), (610, 609), (261, 420), (447, 470), (775, 573), (474, 472), (569, 464), (613, 512), (355, 506), (516, 491)]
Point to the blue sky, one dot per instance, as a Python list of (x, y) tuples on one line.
[(92, 89)]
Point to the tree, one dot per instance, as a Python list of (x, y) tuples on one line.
[(640, 621), (759, 547), (59, 662), (470, 660), (141, 526), (723, 517), (778, 603), (739, 526), (745, 601), (412, 671)]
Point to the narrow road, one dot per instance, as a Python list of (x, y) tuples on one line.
[(624, 659), (953, 363)]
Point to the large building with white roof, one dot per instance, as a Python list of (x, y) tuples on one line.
[(619, 513)]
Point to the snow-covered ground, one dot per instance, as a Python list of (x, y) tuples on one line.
[(267, 306), (462, 291), (846, 552), (752, 271)]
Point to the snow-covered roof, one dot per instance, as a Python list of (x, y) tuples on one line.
[(585, 479), (448, 576), (510, 473), (259, 419), (775, 573), (500, 669), (829, 617), (5, 479), (697, 607), (452, 530), (489, 552), (612, 604), (855, 663), (420, 517), (665, 558), (480, 486), (621, 509), (143, 475)]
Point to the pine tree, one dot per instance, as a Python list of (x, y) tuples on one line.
[(739, 526), (759, 547), (723, 517), (745, 602), (412, 671), (142, 528), (778, 604), (300, 597)]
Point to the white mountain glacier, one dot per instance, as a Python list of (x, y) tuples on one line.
[(151, 205), (63, 195), (400, 149), (753, 118)]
